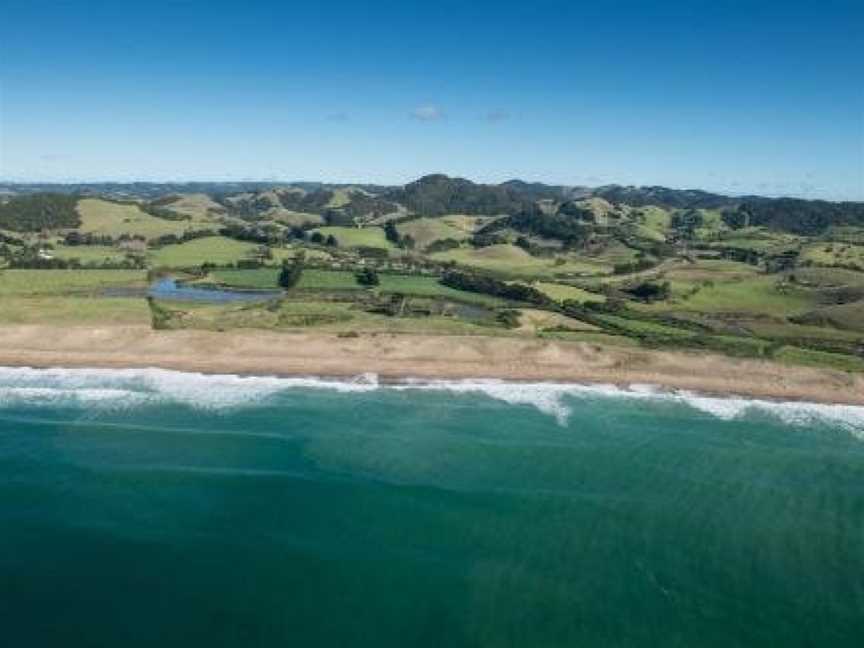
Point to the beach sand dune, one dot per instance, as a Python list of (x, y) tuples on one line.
[(417, 356)]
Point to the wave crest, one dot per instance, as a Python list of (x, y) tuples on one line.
[(137, 387)]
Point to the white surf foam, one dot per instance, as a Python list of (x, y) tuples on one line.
[(134, 387), (137, 386), (545, 397), (555, 399)]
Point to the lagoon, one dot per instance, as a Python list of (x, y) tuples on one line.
[(170, 289)]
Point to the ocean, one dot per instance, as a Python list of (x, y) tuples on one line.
[(157, 508)]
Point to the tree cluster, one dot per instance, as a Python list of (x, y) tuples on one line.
[(806, 217), (188, 235), (392, 234), (436, 195), (35, 212), (489, 286), (570, 230)]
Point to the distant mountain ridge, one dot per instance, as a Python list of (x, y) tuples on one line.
[(432, 195), (453, 187)]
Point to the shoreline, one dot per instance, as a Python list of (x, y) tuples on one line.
[(401, 358)]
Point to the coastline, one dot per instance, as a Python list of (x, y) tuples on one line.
[(396, 358)]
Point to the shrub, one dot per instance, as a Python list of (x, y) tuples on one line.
[(291, 272), (509, 318), (367, 277)]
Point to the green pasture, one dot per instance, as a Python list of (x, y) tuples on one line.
[(113, 219), (217, 250), (65, 282)]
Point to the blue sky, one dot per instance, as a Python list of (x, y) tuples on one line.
[(764, 97)]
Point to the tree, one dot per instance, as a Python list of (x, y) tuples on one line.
[(391, 232), (396, 305), (331, 241), (317, 238), (509, 318), (650, 291), (291, 272), (367, 277)]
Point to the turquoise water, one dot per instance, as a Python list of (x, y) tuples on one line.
[(145, 508)]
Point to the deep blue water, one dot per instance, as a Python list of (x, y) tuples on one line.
[(144, 508)]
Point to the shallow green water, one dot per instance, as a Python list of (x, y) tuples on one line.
[(152, 508)]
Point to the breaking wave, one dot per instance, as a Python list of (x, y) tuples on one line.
[(555, 399), (124, 388), (133, 387)]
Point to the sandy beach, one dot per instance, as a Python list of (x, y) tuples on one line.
[(417, 356)]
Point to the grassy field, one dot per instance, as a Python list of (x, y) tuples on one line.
[(562, 292), (757, 240), (467, 224), (686, 278), (425, 231), (617, 252), (759, 294), (849, 317), (510, 260), (214, 249), (591, 337), (57, 309), (710, 270), (777, 329), (289, 252), (844, 234), (64, 282), (648, 233), (533, 320), (341, 197), (828, 277), (89, 253), (712, 227), (104, 217), (198, 207), (349, 237), (259, 278), (797, 356), (430, 287), (642, 327), (296, 219), (69, 296), (338, 317), (834, 254), (656, 219)]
